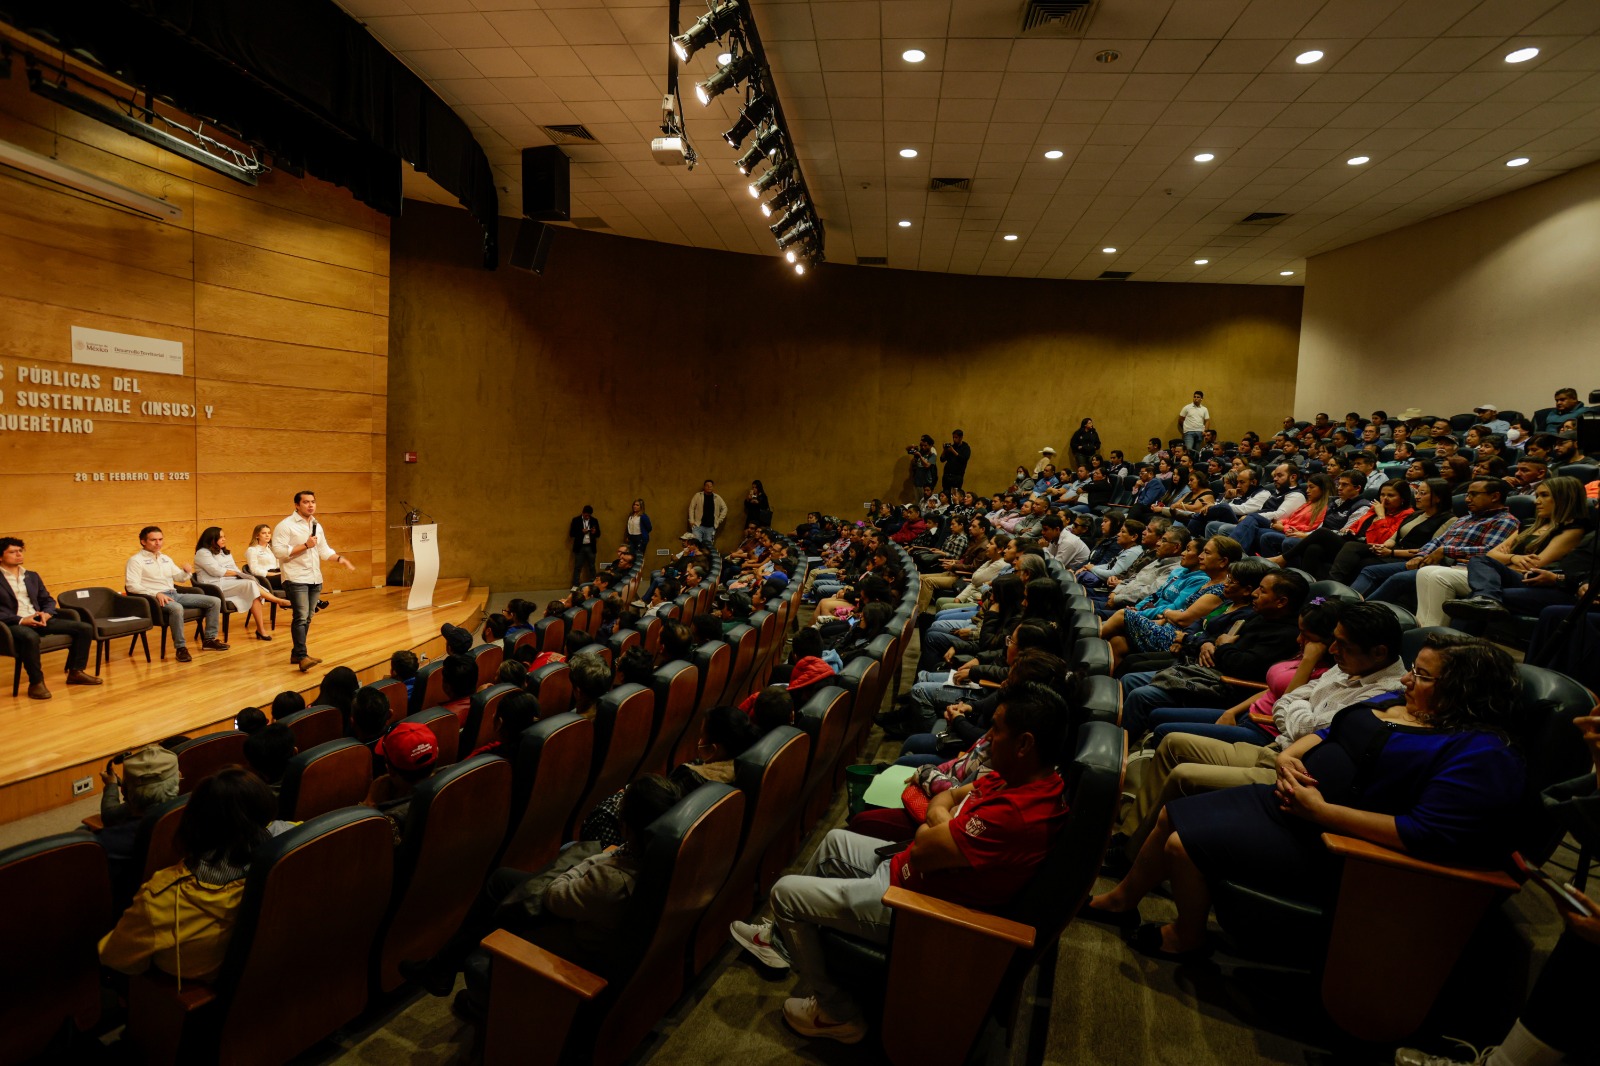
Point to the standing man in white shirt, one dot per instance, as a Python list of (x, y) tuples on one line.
[(300, 546), (150, 573), (1193, 420), (706, 514)]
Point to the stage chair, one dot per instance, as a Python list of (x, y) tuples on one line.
[(325, 778), (769, 773), (548, 778), (480, 718), (674, 685), (552, 683), (318, 724), (394, 690), (489, 657), (442, 861), (158, 617), (427, 688), (998, 951), (296, 966), (203, 756), (446, 730), (687, 854), (622, 722), (58, 894), (99, 607)]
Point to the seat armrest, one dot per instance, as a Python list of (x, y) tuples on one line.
[(959, 917), (1357, 850), (533, 997), (1239, 682), (512, 950), (133, 603)]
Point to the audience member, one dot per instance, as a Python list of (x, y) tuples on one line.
[(149, 779), (286, 703), (403, 667), (250, 720), (410, 751), (1486, 524), (268, 752), (338, 689), (512, 716)]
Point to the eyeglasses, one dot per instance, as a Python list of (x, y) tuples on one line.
[(1420, 676)]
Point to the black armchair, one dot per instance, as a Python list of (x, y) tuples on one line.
[(113, 615)]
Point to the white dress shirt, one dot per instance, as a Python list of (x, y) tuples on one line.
[(1070, 550), (150, 574), (259, 560), (19, 589), (305, 568), (1293, 500), (1312, 706)]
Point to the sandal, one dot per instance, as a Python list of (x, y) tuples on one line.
[(1146, 940)]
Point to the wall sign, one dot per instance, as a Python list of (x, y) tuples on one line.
[(125, 351)]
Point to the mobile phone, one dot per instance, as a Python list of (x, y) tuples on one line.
[(1564, 897)]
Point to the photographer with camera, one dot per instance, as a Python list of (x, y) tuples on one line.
[(955, 456), (924, 463)]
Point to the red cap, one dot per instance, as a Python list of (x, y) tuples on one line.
[(409, 746)]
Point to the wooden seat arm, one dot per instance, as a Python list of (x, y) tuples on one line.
[(905, 901), (1239, 682), (533, 997), (1356, 849)]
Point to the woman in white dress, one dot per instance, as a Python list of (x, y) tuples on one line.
[(258, 558), (214, 563)]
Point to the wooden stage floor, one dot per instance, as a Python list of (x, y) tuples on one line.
[(53, 742)]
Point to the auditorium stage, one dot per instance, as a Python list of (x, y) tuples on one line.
[(48, 744)]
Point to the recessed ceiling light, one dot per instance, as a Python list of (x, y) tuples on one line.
[(1520, 161), (913, 55), (1308, 57), (908, 153), (1110, 55), (724, 59), (1009, 237), (904, 223), (1054, 153), (1522, 55), (1357, 160), (1108, 251), (1201, 262), (1204, 157), (1285, 273)]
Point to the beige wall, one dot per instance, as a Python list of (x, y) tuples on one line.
[(638, 369), (1495, 302), (280, 297)]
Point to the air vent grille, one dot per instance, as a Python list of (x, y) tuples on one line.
[(872, 260), (962, 184), (1263, 218), (569, 134), (1061, 18), (1114, 275), (590, 222)]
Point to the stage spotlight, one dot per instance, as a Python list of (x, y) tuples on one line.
[(754, 113), (797, 232), (795, 214), (765, 144), (772, 177), (707, 28), (780, 201), (724, 79)]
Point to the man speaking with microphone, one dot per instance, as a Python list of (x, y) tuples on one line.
[(300, 547)]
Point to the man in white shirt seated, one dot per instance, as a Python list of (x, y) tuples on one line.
[(300, 544), (1066, 546), (150, 573)]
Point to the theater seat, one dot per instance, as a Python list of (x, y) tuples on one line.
[(674, 685), (203, 756), (480, 716), (825, 718), (315, 725), (623, 719), (711, 661), (488, 657), (743, 638), (325, 778), (1334, 590), (552, 633), (547, 780), (394, 690), (427, 689), (442, 861), (552, 683), (621, 641), (446, 730), (156, 844), (544, 1009), (1092, 656), (296, 966), (58, 906)]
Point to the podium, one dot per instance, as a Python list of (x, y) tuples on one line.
[(423, 546)]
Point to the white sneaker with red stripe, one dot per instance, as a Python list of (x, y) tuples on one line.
[(757, 939), (807, 1019)]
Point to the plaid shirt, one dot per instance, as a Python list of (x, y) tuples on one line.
[(955, 544), (1473, 535)]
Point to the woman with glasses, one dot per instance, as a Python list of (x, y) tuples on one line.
[(1431, 776)]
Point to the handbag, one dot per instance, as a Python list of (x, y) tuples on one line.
[(1194, 678)]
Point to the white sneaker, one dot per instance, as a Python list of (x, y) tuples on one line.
[(807, 1019), (1410, 1056), (756, 938)]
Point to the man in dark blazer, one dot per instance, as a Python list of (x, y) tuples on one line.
[(585, 533), (29, 611)]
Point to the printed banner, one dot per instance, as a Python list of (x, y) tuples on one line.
[(124, 351)]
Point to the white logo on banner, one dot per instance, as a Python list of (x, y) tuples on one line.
[(124, 351)]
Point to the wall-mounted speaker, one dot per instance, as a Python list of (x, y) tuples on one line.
[(546, 184), (533, 245)]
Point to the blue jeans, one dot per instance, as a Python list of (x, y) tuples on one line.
[(919, 749), (177, 601), (705, 534), (1193, 440), (956, 614), (1202, 721), (304, 600), (1398, 588), (1371, 577), (1140, 703)]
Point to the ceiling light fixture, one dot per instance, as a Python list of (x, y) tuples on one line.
[(1054, 153), (1522, 55), (752, 115), (1204, 157), (1009, 237), (766, 143), (908, 153), (799, 268), (904, 223), (1308, 57), (790, 220), (1285, 273), (1520, 161), (707, 28), (724, 79), (1357, 160), (772, 177), (913, 55), (799, 231), (784, 198), (1109, 251), (1110, 55), (724, 58), (1201, 262)]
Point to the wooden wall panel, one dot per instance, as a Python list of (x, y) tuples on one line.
[(279, 295), (815, 386)]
